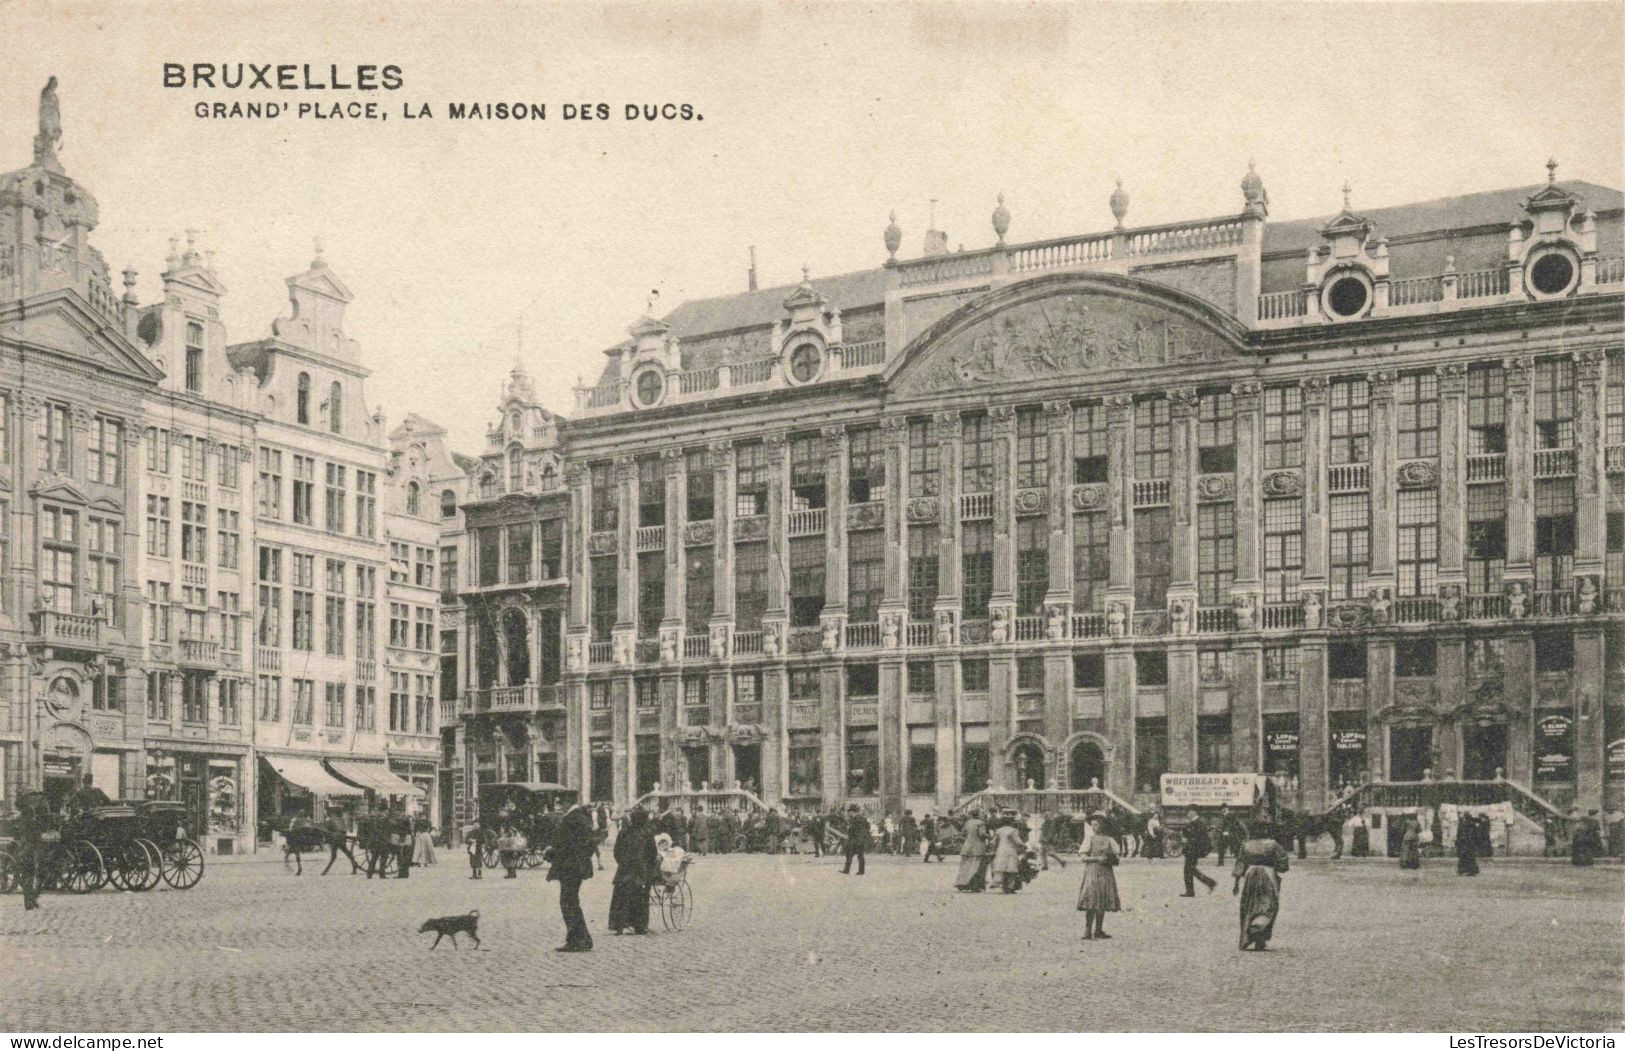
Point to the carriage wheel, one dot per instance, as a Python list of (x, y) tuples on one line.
[(680, 906), (9, 880), (83, 869), (127, 866), (534, 858), (490, 856), (181, 864), (388, 862), (152, 874)]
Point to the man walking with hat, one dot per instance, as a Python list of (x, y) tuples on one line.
[(857, 839)]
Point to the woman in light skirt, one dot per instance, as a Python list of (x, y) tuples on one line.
[(1098, 894)]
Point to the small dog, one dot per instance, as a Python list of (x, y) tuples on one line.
[(454, 925)]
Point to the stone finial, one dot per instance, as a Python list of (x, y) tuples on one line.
[(173, 259), (806, 273), (1347, 190), (1551, 171), (50, 125), (190, 257), (1119, 203), (894, 238), (1001, 219), (129, 285), (318, 263)]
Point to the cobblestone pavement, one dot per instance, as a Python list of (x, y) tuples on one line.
[(789, 943)]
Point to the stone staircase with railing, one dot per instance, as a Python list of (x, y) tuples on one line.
[(1534, 810), (712, 799), (1048, 801)]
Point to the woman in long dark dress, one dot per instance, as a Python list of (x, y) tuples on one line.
[(1259, 864), (1467, 838), (1410, 850), (1097, 894), (637, 865)]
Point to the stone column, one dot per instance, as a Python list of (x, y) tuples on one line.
[(1452, 470), (577, 478), (1451, 677), (835, 535), (1001, 712), (832, 725), (946, 712), (1058, 597), (722, 517), (626, 584), (1520, 470), (1002, 419), (1182, 498), (1182, 692), (892, 739), (720, 693), (1379, 697), (1383, 468), (671, 686), (775, 742), (676, 558), (1315, 537), (894, 597), (946, 432), (1589, 739), (1518, 691), (778, 574), (1247, 589), (623, 740), (1590, 523), (1311, 722), (1120, 713), (1246, 701), (893, 609), (1120, 474)]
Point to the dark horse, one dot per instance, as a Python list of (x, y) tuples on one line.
[(1300, 828)]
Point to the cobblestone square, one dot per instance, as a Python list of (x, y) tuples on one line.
[(789, 943)]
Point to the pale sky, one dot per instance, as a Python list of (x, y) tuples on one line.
[(819, 119)]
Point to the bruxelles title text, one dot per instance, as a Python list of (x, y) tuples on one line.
[(271, 76)]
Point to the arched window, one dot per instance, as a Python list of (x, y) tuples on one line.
[(488, 485), (411, 498), (448, 504), (516, 470), (302, 401), (335, 408), (516, 636)]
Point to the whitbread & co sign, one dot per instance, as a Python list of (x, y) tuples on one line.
[(1237, 790)]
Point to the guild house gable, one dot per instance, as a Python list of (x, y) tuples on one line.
[(1065, 327)]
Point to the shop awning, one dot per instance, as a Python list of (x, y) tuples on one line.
[(374, 776), (309, 775)]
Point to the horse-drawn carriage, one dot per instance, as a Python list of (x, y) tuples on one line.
[(531, 808), (373, 838), (132, 846)]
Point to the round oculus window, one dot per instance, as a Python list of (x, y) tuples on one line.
[(1552, 274), (1347, 296), (804, 363), (650, 387)]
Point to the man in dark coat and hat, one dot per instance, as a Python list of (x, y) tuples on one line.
[(574, 844), (857, 839)]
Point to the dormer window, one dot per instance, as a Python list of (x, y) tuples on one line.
[(514, 425), (194, 357), (412, 498), (805, 361), (301, 404), (1553, 273), (516, 470), (649, 387), (1347, 297), (448, 504)]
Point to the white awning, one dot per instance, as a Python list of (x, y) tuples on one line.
[(309, 775), (374, 776)]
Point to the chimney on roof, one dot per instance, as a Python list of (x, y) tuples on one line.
[(753, 268), (936, 241)]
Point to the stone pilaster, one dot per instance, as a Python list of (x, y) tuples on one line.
[(1120, 719), (623, 743), (1057, 701), (1002, 420), (1315, 537), (893, 734), (1182, 692), (832, 725), (1589, 485), (1001, 712), (835, 482), (671, 687), (1518, 687), (1058, 424), (1379, 697), (1246, 692), (676, 558), (1120, 472), (1590, 742), (1520, 470), (778, 490), (1182, 497), (1248, 585), (945, 431), (722, 515), (577, 478), (946, 712), (1383, 468), (775, 741), (1311, 722), (1452, 472), (1450, 673)]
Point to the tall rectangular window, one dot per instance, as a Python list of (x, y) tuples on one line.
[(550, 549), (808, 487), (1032, 448), (750, 479), (806, 580), (922, 573), (866, 460), (230, 700), (1091, 444), (1283, 549), (1418, 548), (651, 593), (1350, 545), (976, 465), (194, 532), (699, 589), (228, 467), (1486, 538), (1613, 400), (101, 566), (366, 612), (334, 621), (229, 546), (268, 621), (194, 357), (106, 448), (1213, 744), (519, 537), (158, 526), (304, 489), (54, 435), (1091, 560), (304, 702), (269, 691), (1216, 432), (976, 568), (334, 716), (335, 498), (1283, 426), (701, 491), (1486, 410), (1554, 403), (304, 602), (366, 504), (604, 596), (1416, 399), (270, 491), (866, 575), (1032, 565), (651, 492), (1153, 552), (603, 497), (923, 460), (750, 585), (1215, 554), (488, 547), (1554, 533), (1350, 421), (1153, 438)]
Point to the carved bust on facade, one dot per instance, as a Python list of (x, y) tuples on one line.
[(999, 630), (1056, 627), (1116, 619), (1449, 602), (832, 636), (945, 627), (770, 640), (1179, 617), (1381, 603), (1517, 600), (668, 646), (890, 631), (1588, 595), (1243, 607), (577, 654), (719, 641), (1311, 609)]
